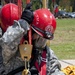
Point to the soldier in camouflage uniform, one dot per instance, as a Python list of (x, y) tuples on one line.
[(10, 53)]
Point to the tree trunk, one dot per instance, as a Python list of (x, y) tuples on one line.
[(73, 7)]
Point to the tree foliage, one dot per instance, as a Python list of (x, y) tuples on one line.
[(72, 3), (69, 5)]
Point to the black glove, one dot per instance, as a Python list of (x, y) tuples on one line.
[(27, 14)]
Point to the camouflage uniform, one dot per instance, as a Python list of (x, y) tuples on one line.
[(11, 57), (9, 42)]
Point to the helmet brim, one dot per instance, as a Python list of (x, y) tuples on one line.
[(43, 35)]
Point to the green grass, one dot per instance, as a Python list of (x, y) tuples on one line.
[(63, 43)]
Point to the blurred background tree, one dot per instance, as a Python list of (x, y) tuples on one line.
[(73, 5), (68, 5)]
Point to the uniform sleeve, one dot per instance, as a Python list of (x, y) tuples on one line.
[(11, 39), (15, 32), (55, 66)]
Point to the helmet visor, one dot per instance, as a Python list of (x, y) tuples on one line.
[(42, 33)]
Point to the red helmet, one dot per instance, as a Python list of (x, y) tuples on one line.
[(44, 23), (9, 13)]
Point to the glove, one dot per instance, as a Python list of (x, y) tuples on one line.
[(27, 14)]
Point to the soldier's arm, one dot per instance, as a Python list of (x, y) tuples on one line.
[(55, 66), (11, 39)]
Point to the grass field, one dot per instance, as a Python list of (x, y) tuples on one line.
[(63, 43)]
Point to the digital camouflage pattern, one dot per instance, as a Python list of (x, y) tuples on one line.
[(11, 56)]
